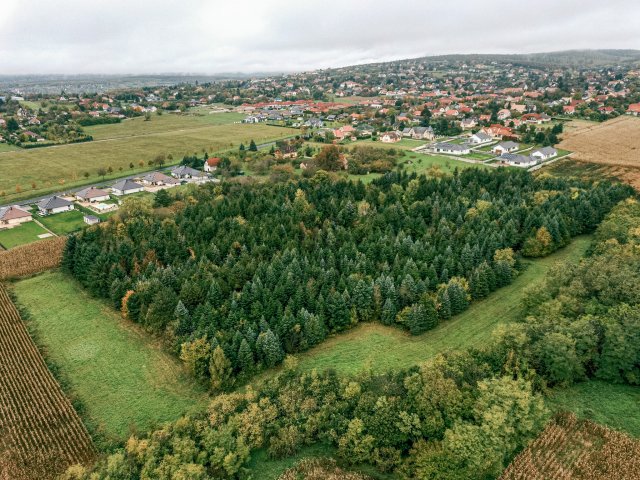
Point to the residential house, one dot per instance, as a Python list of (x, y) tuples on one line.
[(504, 114), (407, 132), (184, 172), (516, 160), (390, 137), (159, 179), (505, 147), (634, 109), (55, 204), (126, 187), (498, 131), (468, 123), (92, 194), (451, 148), (211, 164), (423, 133), (479, 138), (13, 215), (544, 153), (91, 219)]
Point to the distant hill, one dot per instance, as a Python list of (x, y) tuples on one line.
[(567, 58)]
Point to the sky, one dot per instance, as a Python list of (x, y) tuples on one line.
[(207, 37)]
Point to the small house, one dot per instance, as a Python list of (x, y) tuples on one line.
[(516, 160), (53, 205), (451, 148), (91, 219), (505, 147), (211, 164), (126, 187), (390, 137), (544, 153), (159, 179), (182, 172), (13, 215), (480, 138), (423, 133), (92, 194)]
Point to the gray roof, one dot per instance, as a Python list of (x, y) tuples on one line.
[(516, 158), (482, 136), (507, 145), (183, 170), (422, 129), (53, 202), (451, 146), (545, 150), (126, 184)]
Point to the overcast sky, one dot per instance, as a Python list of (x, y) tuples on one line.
[(198, 36)]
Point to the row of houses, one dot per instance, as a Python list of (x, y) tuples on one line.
[(15, 214)]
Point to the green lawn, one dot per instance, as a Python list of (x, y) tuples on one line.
[(122, 377), (64, 223), (5, 147), (26, 233), (617, 406), (384, 348), (117, 146)]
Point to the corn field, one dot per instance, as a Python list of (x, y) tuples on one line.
[(572, 449), (40, 432), (31, 258)]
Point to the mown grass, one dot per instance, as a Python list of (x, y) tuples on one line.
[(617, 406), (64, 223), (60, 167), (20, 235), (124, 380), (381, 348)]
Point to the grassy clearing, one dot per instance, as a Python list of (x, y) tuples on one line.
[(123, 379), (372, 345), (22, 234), (5, 147), (59, 167), (64, 223), (613, 405), (161, 123)]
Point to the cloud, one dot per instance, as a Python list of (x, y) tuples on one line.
[(199, 36)]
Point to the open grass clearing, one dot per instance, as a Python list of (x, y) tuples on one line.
[(381, 348), (123, 378), (617, 406), (64, 223), (21, 234)]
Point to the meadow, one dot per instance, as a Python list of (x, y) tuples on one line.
[(26, 233), (27, 173), (124, 380), (380, 348)]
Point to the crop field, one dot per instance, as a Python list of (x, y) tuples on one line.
[(32, 258), (27, 173), (22, 234), (124, 379), (40, 432), (382, 348), (614, 144), (572, 449)]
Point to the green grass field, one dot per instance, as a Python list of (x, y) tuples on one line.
[(616, 406), (59, 167), (372, 345), (5, 147), (122, 377), (64, 223), (26, 233)]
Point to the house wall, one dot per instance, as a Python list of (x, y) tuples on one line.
[(61, 209), (17, 221)]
